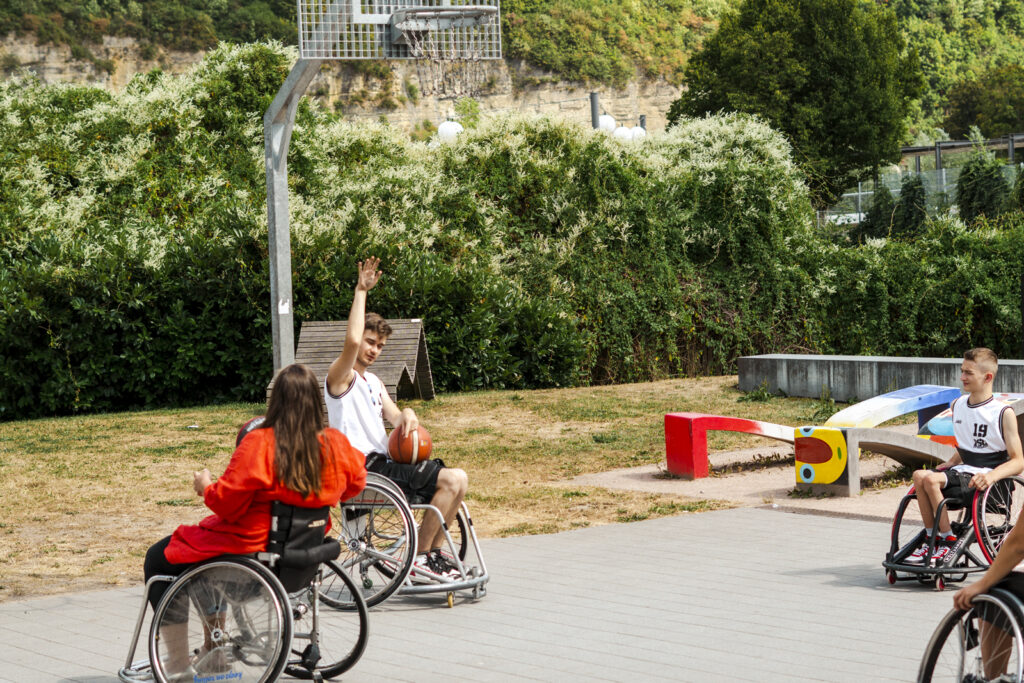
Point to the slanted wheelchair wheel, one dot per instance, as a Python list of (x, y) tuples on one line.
[(996, 510), (978, 645), (328, 642), (221, 620), (458, 531), (378, 545), (907, 532)]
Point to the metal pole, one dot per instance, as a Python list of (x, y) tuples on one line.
[(917, 164), (277, 134), (1009, 148), (643, 121), (938, 155), (595, 111)]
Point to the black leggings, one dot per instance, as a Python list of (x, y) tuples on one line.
[(156, 563)]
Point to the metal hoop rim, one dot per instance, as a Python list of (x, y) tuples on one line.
[(402, 18)]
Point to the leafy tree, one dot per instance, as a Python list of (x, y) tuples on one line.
[(981, 189), (878, 220), (834, 75), (994, 102), (911, 211)]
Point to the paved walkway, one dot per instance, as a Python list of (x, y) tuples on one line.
[(743, 594)]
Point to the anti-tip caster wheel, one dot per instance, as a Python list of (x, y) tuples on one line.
[(890, 576), (451, 599), (940, 584)]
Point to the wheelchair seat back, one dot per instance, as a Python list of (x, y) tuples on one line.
[(297, 544)]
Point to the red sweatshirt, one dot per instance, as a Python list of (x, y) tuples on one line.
[(241, 498)]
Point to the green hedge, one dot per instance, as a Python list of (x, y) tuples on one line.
[(133, 259), (948, 290)]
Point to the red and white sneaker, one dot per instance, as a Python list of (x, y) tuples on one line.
[(943, 547), (917, 557)]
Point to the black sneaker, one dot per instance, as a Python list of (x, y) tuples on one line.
[(441, 562)]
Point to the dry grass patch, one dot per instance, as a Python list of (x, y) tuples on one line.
[(82, 498)]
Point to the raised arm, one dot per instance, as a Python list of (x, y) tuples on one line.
[(341, 373)]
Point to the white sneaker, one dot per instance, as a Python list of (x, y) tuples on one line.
[(918, 556), (425, 570)]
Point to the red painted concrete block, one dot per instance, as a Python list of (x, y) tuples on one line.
[(686, 439)]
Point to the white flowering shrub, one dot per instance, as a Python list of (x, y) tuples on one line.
[(539, 253)]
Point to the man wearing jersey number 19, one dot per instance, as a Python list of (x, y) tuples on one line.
[(988, 449)]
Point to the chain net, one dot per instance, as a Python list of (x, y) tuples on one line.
[(450, 61)]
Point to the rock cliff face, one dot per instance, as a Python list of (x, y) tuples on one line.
[(360, 92)]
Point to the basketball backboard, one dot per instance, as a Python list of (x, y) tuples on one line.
[(399, 29)]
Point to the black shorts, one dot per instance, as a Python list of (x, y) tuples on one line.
[(958, 487), (1013, 582), (418, 482)]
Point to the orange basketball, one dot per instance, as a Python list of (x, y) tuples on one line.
[(410, 449)]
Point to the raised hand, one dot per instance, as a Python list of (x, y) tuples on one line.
[(368, 274)]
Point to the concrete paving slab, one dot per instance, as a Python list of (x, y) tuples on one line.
[(743, 594)]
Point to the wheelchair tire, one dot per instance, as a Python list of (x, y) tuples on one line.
[(341, 637), (905, 538), (378, 546), (234, 623), (954, 652), (996, 510)]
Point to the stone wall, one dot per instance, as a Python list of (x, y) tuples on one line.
[(362, 91)]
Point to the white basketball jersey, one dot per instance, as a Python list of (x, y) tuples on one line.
[(979, 431), (359, 413)]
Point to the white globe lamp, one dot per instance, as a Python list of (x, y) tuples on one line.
[(606, 122), (449, 130), (639, 133), (623, 133)]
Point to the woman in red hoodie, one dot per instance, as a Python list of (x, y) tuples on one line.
[(292, 457)]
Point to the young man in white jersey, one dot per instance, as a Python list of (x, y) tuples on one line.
[(988, 448), (358, 403)]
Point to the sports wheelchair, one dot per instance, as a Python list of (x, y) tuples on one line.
[(248, 618), (980, 645), (378, 529), (985, 519)]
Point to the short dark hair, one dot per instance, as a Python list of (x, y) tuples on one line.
[(377, 324), (985, 358)]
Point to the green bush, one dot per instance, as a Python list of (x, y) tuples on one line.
[(539, 253), (1017, 199), (911, 210), (981, 189), (133, 257), (950, 289), (879, 218)]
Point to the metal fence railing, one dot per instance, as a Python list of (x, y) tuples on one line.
[(939, 185)]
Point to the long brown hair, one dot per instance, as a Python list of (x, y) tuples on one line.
[(295, 414)]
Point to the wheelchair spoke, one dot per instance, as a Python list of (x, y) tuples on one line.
[(223, 620), (982, 644)]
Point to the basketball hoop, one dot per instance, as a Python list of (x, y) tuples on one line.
[(448, 44), (447, 38)]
